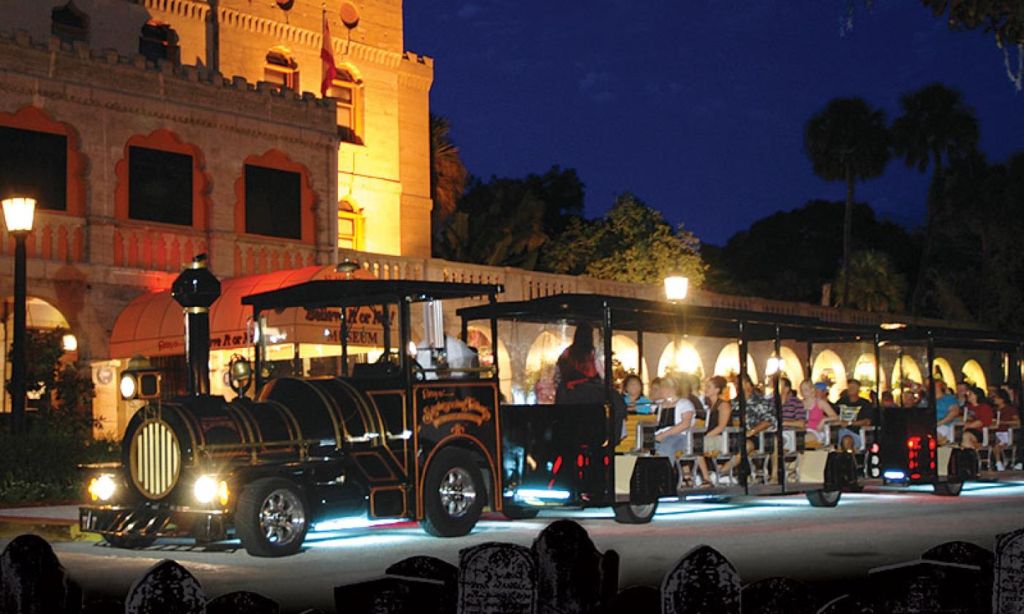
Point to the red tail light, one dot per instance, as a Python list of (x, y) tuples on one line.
[(558, 465), (875, 448), (579, 460)]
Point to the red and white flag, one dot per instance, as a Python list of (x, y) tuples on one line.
[(330, 71)]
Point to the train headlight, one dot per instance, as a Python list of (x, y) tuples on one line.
[(128, 386), (102, 488), (207, 489)]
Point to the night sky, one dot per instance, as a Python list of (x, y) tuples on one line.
[(698, 107)]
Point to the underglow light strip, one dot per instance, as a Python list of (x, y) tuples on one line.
[(892, 474), (353, 522), (542, 495)]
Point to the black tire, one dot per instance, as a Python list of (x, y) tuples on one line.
[(824, 498), (948, 489), (627, 513), (129, 542), (514, 511), (272, 518), (455, 511)]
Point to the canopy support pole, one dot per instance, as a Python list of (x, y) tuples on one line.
[(744, 468), (780, 457)]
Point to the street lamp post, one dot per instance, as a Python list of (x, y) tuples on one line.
[(18, 215)]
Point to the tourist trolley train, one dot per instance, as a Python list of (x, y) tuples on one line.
[(418, 429)]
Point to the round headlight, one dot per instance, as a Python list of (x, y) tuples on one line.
[(205, 489), (102, 487), (127, 387)]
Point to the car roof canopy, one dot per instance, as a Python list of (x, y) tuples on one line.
[(352, 292)]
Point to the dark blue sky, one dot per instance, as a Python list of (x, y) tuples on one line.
[(698, 106)]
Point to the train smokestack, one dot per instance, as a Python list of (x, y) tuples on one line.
[(195, 290)]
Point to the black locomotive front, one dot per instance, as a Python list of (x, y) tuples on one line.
[(393, 442)]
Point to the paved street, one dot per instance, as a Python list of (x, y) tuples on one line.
[(762, 537)]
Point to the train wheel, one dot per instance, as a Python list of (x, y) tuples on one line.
[(948, 489), (129, 542), (271, 518), (824, 498), (453, 494), (627, 513), (514, 511)]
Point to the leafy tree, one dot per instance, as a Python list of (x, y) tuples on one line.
[(789, 255), (507, 222), (632, 243), (448, 175), (65, 394), (875, 285), (935, 129), (1003, 18), (847, 141)]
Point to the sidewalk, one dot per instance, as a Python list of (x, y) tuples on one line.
[(53, 522)]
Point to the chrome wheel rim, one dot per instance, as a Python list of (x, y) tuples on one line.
[(457, 492), (282, 518)]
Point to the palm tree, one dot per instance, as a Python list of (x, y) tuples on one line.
[(847, 141), (875, 283), (936, 129), (448, 174)]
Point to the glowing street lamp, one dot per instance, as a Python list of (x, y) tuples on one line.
[(19, 213), (676, 287)]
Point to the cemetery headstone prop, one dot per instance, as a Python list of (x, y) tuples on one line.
[(496, 577)]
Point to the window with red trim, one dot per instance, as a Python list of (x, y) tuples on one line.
[(273, 202), (159, 186), (40, 159)]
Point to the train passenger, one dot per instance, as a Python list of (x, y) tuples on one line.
[(819, 411), (977, 415), (719, 417), (887, 399), (794, 415), (576, 369), (633, 394), (1007, 417), (577, 379), (760, 416), (946, 411), (674, 438), (854, 411)]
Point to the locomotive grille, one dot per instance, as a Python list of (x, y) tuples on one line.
[(156, 459)]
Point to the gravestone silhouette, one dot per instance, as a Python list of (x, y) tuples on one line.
[(702, 582), (841, 605), (103, 606), (966, 553), (430, 568), (390, 595), (573, 577), (166, 588), (1008, 585), (777, 596), (242, 602), (925, 587), (636, 600), (497, 578), (32, 580)]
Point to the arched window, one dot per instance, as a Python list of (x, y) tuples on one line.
[(69, 23), (347, 90), (351, 226), (159, 42), (281, 69)]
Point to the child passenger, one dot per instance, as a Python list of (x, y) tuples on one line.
[(633, 391)]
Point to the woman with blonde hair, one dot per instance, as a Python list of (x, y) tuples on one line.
[(819, 411)]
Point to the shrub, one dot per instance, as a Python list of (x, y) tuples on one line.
[(42, 465)]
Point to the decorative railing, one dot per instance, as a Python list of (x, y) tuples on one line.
[(56, 237), (146, 247), (258, 256)]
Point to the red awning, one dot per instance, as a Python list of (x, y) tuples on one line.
[(154, 325)]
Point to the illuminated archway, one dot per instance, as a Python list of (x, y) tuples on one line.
[(945, 372), (39, 315), (864, 371), (910, 371), (792, 366), (480, 338), (974, 374), (828, 366), (625, 352), (728, 362), (680, 357)]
